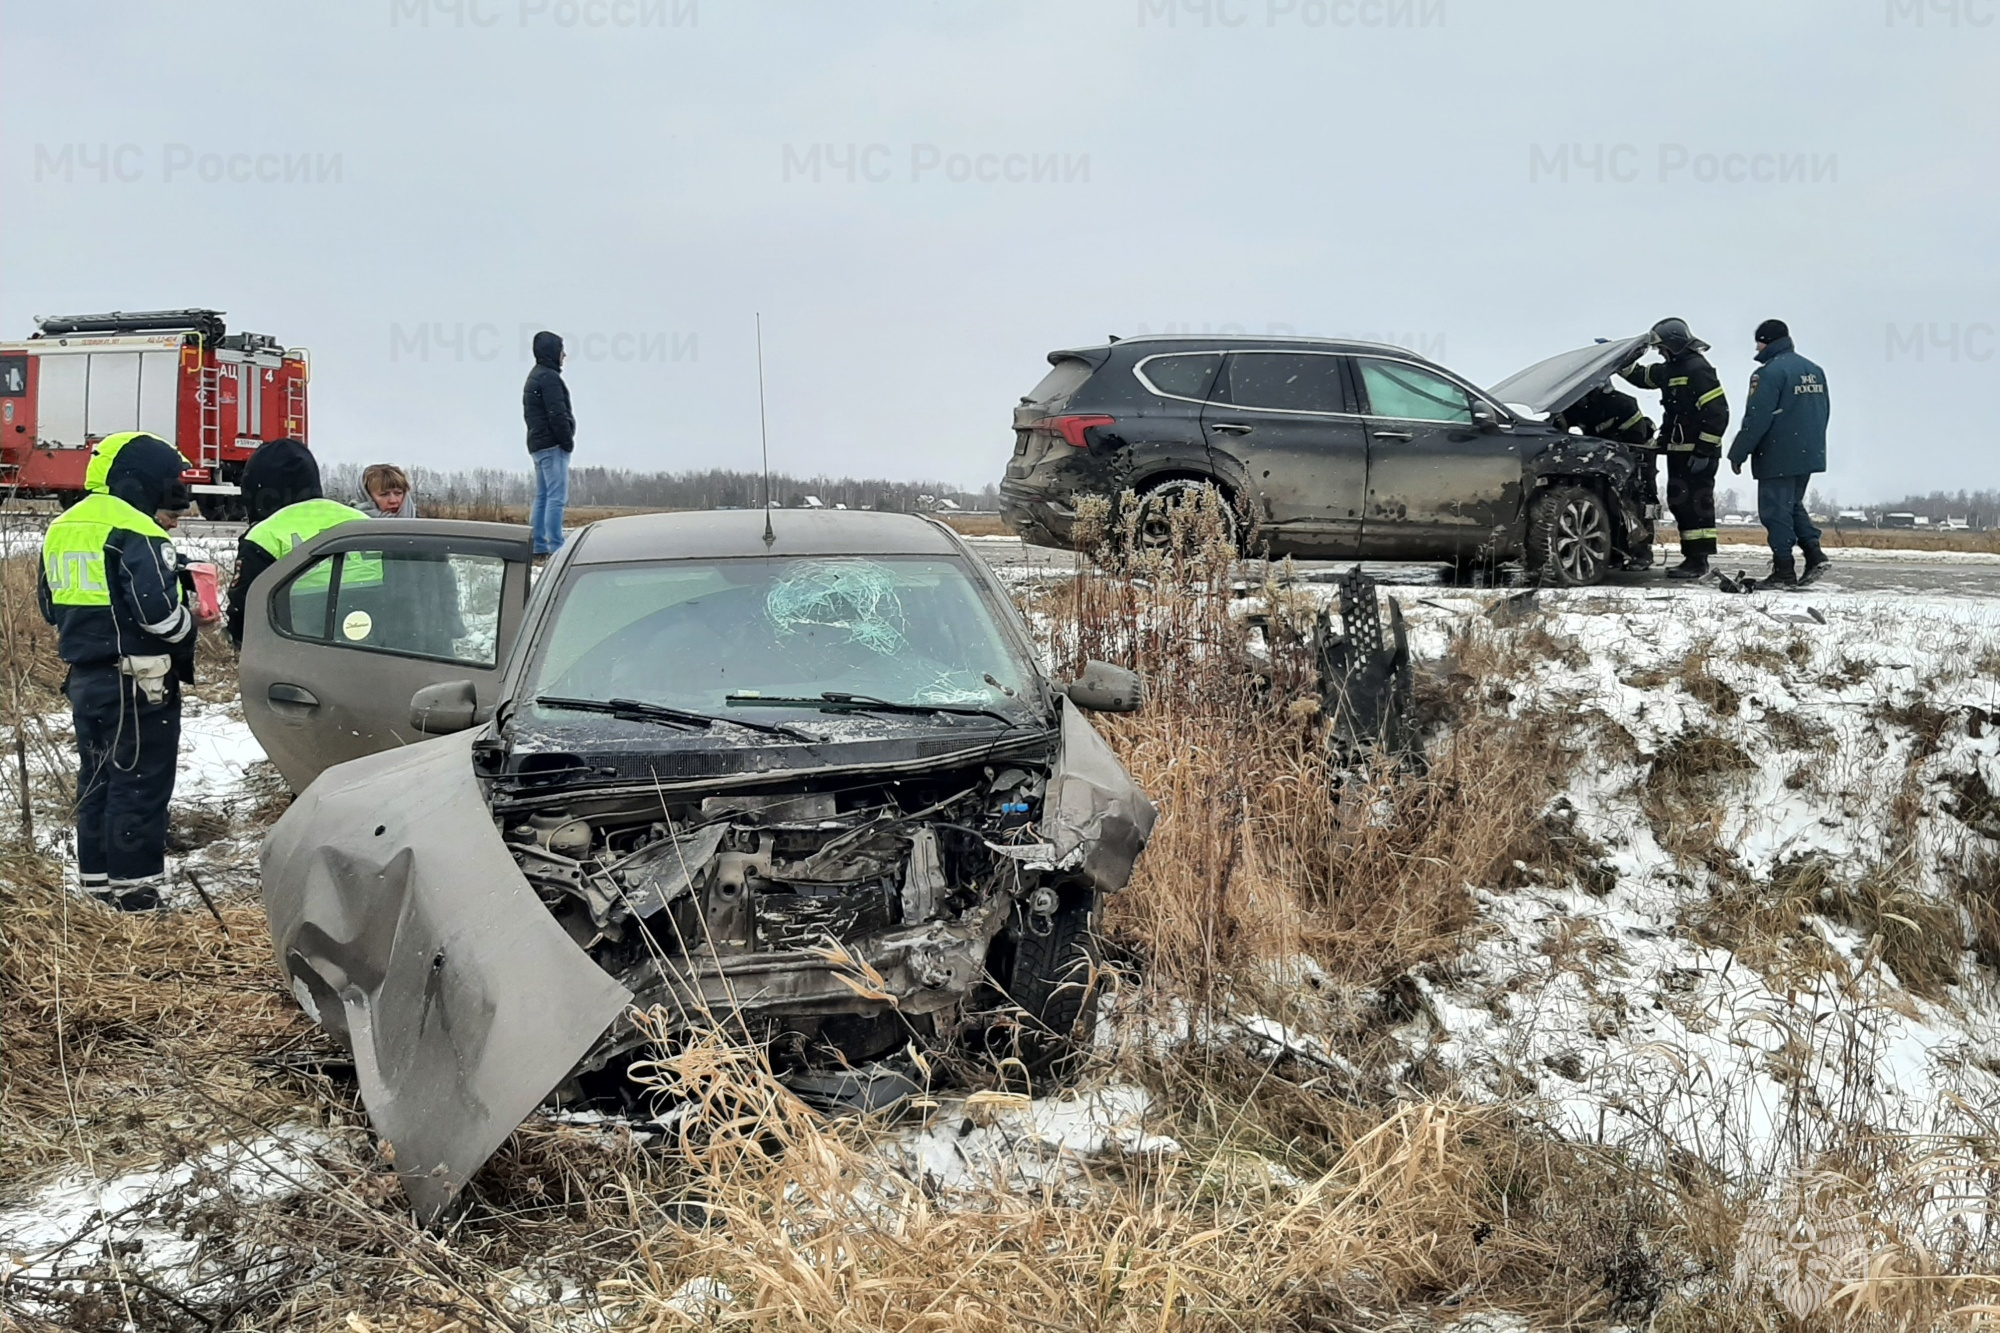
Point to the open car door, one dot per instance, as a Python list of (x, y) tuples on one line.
[(341, 633)]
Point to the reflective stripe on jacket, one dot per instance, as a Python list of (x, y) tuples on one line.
[(1693, 407), (110, 583)]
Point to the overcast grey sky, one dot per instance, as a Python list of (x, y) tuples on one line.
[(924, 199)]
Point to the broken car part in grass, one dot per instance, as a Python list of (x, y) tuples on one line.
[(671, 813)]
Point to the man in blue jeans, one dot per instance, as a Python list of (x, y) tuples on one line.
[(551, 439), (1784, 437)]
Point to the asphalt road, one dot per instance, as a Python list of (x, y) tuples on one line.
[(1874, 572)]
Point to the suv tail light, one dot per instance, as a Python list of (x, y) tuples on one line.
[(1071, 428)]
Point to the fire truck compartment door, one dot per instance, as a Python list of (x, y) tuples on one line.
[(339, 634)]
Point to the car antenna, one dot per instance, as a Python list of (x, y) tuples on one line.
[(763, 433)]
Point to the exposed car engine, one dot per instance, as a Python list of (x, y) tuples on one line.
[(916, 875)]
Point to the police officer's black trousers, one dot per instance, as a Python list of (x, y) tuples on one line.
[(127, 751), (1691, 495)]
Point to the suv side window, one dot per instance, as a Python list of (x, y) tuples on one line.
[(1179, 375), (415, 604), (1411, 393), (1283, 382)]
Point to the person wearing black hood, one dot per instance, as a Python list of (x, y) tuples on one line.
[(281, 489), (551, 439), (1695, 414), (112, 585)]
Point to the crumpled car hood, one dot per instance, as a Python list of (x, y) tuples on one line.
[(404, 926), (1552, 385)]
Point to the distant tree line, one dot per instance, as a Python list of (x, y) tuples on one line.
[(1979, 509), (716, 488)]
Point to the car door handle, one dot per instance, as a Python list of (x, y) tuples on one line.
[(292, 694), (1394, 435), (1231, 428)]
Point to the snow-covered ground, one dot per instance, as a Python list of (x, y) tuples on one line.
[(1858, 724), (1611, 1008)]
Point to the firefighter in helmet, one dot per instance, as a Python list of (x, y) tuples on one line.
[(281, 490), (112, 585), (1694, 416)]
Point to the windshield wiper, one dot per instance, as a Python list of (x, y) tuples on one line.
[(842, 701), (638, 710)]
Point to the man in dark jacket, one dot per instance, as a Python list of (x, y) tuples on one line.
[(1784, 437), (111, 583), (1695, 414), (551, 439), (281, 490)]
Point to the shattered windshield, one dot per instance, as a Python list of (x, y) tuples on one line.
[(691, 633)]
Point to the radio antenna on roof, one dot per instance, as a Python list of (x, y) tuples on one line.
[(763, 432)]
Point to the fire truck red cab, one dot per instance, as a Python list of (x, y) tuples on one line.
[(177, 374)]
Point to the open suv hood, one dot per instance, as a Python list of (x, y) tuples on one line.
[(1547, 387)]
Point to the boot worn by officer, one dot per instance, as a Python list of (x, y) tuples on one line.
[(133, 895), (1816, 564), (1693, 567), (1783, 577)]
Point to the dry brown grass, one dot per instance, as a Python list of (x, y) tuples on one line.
[(113, 1022), (977, 525), (1860, 539)]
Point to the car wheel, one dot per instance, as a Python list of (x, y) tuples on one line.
[(1158, 505), (1569, 537), (1053, 981)]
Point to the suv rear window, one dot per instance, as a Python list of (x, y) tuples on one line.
[(1283, 382), (1185, 375), (1065, 377)]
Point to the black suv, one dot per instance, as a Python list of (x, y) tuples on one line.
[(1337, 450)]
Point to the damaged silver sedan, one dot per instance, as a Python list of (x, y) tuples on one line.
[(806, 781)]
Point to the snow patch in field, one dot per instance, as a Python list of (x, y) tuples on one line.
[(1011, 1143), (132, 1224), (216, 750)]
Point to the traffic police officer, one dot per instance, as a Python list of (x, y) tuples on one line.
[(1695, 414), (111, 583), (281, 489)]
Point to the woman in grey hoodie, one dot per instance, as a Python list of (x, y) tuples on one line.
[(386, 493)]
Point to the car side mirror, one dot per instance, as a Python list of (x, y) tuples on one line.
[(1485, 417), (1104, 688), (441, 709)]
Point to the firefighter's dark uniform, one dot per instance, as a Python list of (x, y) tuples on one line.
[(281, 488), (1694, 413), (111, 582), (1606, 414)]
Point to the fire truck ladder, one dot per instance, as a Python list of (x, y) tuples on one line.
[(295, 407), (208, 398)]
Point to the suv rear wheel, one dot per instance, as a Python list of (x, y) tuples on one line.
[(1159, 503), (1569, 537)]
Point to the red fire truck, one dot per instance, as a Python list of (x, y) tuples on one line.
[(177, 374)]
